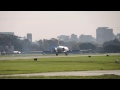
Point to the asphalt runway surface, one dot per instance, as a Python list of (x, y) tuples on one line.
[(72, 73)]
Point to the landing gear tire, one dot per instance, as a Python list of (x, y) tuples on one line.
[(56, 54), (66, 54)]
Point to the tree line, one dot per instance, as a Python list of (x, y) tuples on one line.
[(24, 45)]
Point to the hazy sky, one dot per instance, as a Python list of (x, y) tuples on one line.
[(50, 24)]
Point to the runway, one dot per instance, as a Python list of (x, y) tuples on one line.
[(72, 73), (15, 57)]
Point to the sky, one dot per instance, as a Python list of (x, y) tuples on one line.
[(50, 24)]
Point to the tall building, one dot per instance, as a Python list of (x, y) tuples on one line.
[(65, 38), (29, 37), (86, 38), (73, 37), (104, 34), (118, 36)]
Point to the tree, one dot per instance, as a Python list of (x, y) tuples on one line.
[(75, 45), (85, 46), (10, 40), (115, 42), (111, 48), (25, 44)]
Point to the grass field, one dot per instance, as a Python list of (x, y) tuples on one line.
[(57, 64)]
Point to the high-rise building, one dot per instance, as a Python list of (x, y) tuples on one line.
[(104, 34), (65, 38), (73, 37), (118, 36), (29, 37), (86, 38)]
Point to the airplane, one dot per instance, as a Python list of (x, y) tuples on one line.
[(16, 52), (60, 49)]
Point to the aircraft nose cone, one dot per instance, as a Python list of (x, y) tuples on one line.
[(54, 49)]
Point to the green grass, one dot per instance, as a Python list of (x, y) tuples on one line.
[(59, 64)]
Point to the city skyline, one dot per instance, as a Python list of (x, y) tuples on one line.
[(50, 24)]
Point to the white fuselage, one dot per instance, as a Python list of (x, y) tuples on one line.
[(16, 52), (61, 49)]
